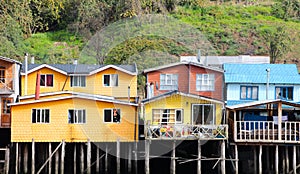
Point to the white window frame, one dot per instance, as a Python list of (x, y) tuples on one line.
[(110, 80), (158, 113), (81, 82), (42, 116), (112, 115), (77, 117), (171, 84), (46, 80), (202, 121), (203, 82)]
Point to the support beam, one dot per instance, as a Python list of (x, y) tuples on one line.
[(235, 126), (147, 155), (75, 160), (136, 157), (89, 156), (223, 157), (236, 159), (118, 157), (287, 161), (129, 157), (33, 157), (279, 120), (276, 159), (7, 156), (62, 158), (173, 159), (81, 158), (294, 159), (199, 158), (25, 158), (260, 160), (255, 159), (97, 160), (106, 158), (17, 158), (50, 160), (56, 162)]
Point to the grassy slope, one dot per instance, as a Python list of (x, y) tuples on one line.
[(233, 30)]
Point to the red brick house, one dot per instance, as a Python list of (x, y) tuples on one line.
[(186, 77)]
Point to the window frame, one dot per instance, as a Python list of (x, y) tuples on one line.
[(45, 81), (287, 91), (112, 115), (79, 80), (5, 107), (41, 111), (75, 116), (251, 92), (160, 113), (202, 119), (168, 84), (110, 80), (203, 84), (2, 74)]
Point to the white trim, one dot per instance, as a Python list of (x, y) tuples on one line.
[(112, 66), (204, 104), (36, 118), (112, 116), (110, 80), (45, 66), (74, 115)]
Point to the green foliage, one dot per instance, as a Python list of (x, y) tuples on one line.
[(287, 9)]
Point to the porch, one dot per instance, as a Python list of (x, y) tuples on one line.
[(186, 132)]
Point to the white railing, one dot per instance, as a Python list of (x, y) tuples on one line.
[(267, 131), (185, 131)]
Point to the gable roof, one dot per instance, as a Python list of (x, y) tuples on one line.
[(167, 94), (256, 73), (183, 63), (9, 60), (83, 69)]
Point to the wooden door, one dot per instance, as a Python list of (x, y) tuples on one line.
[(6, 112)]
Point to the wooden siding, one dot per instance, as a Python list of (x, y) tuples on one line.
[(94, 84), (9, 76), (180, 102), (23, 130)]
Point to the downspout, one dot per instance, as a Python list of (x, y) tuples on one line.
[(135, 124), (189, 72), (26, 71)]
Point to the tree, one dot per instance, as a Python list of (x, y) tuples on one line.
[(278, 42)]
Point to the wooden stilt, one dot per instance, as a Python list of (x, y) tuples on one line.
[(33, 157), (276, 159), (173, 159), (199, 158), (62, 158), (147, 160), (6, 164), (294, 159), (106, 159), (50, 160), (260, 160), (268, 157), (287, 161), (25, 158), (129, 157), (97, 160), (118, 157), (236, 159), (89, 151), (135, 157), (282, 157), (17, 157), (74, 160), (223, 156), (255, 159), (56, 162), (20, 158), (81, 158)]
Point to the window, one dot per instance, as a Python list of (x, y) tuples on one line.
[(46, 80), (78, 81), (205, 82), (168, 81), (5, 107), (40, 115), (167, 116), (76, 116), (284, 93), (2, 75), (203, 114), (112, 115), (110, 80), (249, 92)]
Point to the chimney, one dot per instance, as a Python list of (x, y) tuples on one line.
[(32, 60), (75, 62), (37, 86), (199, 56), (26, 70)]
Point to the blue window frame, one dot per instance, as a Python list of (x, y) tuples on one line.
[(249, 93), (284, 92)]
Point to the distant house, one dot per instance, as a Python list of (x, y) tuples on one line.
[(248, 82), (186, 76), (9, 88)]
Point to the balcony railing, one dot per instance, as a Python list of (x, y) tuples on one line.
[(6, 85), (184, 131), (267, 131)]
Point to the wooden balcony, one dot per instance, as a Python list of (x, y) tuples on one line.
[(186, 132), (267, 132), (6, 85)]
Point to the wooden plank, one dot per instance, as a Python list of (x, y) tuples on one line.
[(97, 160), (106, 158), (287, 159), (62, 158), (50, 160), (279, 120), (118, 157), (7, 159), (25, 159), (89, 149), (74, 160), (236, 159), (255, 159), (17, 158), (260, 160), (129, 157), (81, 158), (33, 157), (173, 159), (223, 156), (294, 159), (56, 162), (147, 155), (199, 158), (136, 157), (276, 159)]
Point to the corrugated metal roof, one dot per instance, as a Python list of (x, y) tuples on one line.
[(256, 73), (263, 102), (9, 60)]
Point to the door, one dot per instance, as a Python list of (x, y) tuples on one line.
[(6, 112)]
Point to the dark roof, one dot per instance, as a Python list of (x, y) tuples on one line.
[(80, 68), (9, 60)]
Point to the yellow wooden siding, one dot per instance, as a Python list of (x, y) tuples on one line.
[(95, 129), (180, 102), (94, 84)]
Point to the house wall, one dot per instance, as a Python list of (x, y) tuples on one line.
[(9, 75), (218, 91), (180, 102), (94, 84), (23, 130)]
